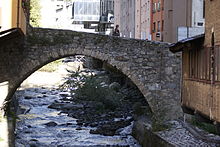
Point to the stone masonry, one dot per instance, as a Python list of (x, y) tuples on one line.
[(149, 65)]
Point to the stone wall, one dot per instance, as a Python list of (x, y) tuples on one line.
[(149, 65)]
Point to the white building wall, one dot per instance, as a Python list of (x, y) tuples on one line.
[(148, 20), (124, 15), (198, 19), (56, 14), (117, 6), (133, 17), (48, 14), (145, 19)]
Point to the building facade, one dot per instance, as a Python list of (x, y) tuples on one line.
[(183, 19), (124, 11), (13, 14), (201, 67), (56, 14), (157, 23), (133, 18), (160, 20)]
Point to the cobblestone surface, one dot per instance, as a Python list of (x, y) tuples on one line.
[(180, 136)]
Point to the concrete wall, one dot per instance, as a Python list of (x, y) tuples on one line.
[(176, 13), (149, 65), (197, 13), (182, 13)]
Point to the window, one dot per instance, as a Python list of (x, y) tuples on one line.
[(158, 26), (200, 23), (199, 64), (162, 26), (154, 27), (158, 6), (162, 4), (154, 7), (217, 64)]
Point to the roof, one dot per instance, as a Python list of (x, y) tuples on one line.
[(180, 45), (10, 34)]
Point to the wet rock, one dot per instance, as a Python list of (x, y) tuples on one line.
[(33, 140), (95, 124), (28, 97), (51, 124), (78, 128), (110, 128), (115, 86), (34, 143), (56, 105), (66, 124), (72, 106), (64, 94), (27, 132)]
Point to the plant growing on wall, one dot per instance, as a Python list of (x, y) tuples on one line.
[(26, 6), (35, 13)]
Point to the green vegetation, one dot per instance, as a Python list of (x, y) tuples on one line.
[(159, 117), (35, 13), (51, 67), (159, 126), (88, 87), (0, 117), (1, 139), (208, 127)]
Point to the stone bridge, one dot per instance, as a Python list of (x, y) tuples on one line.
[(149, 65)]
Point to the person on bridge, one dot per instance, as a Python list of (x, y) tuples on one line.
[(116, 31)]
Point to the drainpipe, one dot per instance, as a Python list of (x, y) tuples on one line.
[(18, 9), (187, 27)]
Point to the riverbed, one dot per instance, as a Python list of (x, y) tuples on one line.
[(37, 125)]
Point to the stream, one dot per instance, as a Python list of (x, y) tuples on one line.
[(40, 126)]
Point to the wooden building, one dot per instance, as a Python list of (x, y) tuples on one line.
[(201, 67)]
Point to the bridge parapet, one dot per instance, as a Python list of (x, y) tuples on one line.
[(149, 65)]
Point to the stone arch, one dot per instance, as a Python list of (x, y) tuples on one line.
[(149, 65), (34, 66)]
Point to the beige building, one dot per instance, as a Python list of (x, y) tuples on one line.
[(175, 12), (12, 15), (133, 17), (161, 20)]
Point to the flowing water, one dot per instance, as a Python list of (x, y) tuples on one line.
[(39, 126)]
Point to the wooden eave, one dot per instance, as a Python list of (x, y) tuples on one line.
[(186, 43)]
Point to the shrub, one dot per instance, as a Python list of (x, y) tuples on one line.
[(208, 127), (88, 87)]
